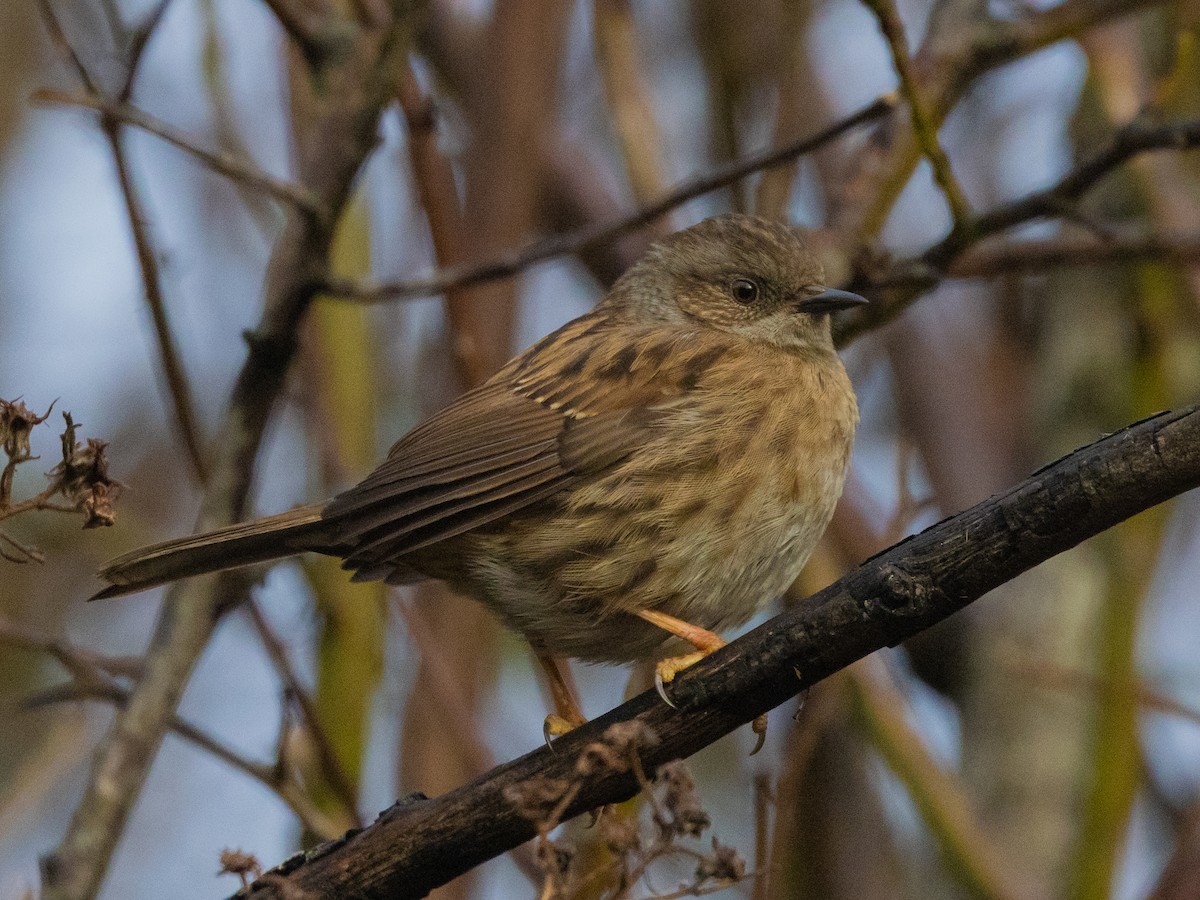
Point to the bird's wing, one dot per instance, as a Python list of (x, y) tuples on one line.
[(541, 424)]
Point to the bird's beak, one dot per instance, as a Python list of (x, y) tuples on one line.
[(830, 300)]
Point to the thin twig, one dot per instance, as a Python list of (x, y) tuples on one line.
[(172, 367), (271, 776), (74, 659), (40, 501), (331, 766), (984, 260), (59, 38), (923, 123), (515, 261), (168, 350), (905, 281), (92, 679), (228, 164)]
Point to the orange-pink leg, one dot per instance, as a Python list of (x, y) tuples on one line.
[(567, 714), (705, 643)]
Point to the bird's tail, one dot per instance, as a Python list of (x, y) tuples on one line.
[(243, 544)]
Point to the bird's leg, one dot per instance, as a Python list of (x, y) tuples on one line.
[(705, 643), (563, 694)]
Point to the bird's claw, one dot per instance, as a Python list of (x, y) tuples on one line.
[(759, 727), (661, 687), (666, 670), (556, 726)]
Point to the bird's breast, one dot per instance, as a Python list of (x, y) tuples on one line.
[(708, 520)]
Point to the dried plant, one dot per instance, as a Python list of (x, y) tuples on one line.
[(634, 843), (81, 477), (237, 862)]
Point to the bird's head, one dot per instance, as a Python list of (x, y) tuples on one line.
[(739, 274)]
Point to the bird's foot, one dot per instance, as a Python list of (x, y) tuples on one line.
[(556, 726), (666, 670)]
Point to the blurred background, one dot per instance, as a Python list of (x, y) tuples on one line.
[(1045, 743)]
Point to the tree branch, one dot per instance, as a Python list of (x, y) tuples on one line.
[(1118, 246), (903, 282), (515, 261), (421, 843), (923, 126), (173, 373), (231, 166)]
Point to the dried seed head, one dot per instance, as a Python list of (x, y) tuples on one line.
[(16, 422), (723, 865), (681, 800), (243, 865), (82, 477), (536, 798)]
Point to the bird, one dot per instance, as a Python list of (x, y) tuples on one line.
[(651, 474)]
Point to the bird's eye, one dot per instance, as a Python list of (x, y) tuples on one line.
[(744, 290)]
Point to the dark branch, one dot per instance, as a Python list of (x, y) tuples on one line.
[(420, 844)]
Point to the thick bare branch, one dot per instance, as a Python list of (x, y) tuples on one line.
[(420, 843)]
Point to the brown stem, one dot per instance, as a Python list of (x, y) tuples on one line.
[(331, 767), (230, 165)]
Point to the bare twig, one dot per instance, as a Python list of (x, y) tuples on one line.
[(172, 368), (74, 659), (902, 283), (270, 775), (962, 44), (231, 166), (93, 678), (331, 766), (990, 259), (883, 602), (515, 261), (922, 122)]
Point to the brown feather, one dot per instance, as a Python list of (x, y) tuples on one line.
[(242, 544)]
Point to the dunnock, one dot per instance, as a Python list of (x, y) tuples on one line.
[(663, 465)]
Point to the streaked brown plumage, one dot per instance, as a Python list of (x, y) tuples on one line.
[(678, 450)]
